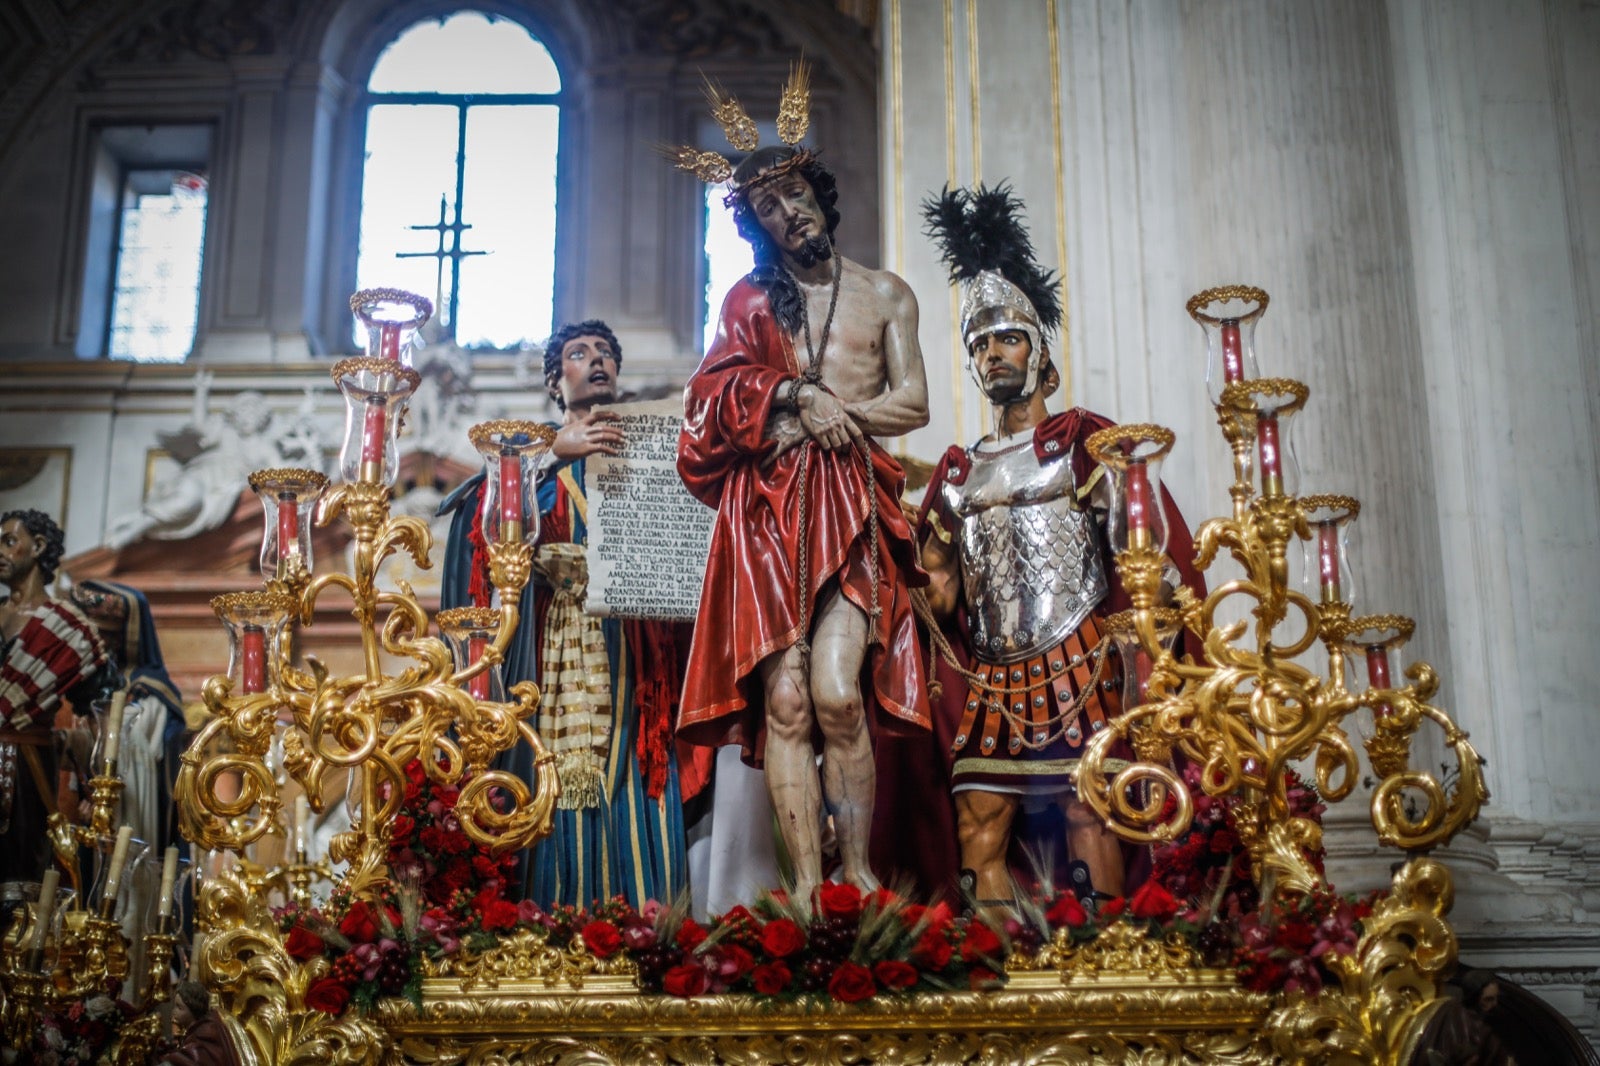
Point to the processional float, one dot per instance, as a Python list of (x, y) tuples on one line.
[(1230, 725)]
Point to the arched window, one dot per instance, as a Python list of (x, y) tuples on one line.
[(458, 194)]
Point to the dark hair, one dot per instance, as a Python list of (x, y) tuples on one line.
[(193, 994), (782, 291), (592, 327), (43, 527)]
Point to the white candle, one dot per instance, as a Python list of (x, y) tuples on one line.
[(302, 820), (119, 856), (169, 875), (114, 729), (47, 903)]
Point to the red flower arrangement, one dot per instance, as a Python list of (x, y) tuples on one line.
[(449, 894), (80, 1034)]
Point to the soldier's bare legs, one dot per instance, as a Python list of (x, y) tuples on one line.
[(838, 650), (1089, 839), (828, 699), (983, 827)]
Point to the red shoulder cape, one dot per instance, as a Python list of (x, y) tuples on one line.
[(748, 606)]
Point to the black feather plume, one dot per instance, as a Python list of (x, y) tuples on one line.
[(982, 229)]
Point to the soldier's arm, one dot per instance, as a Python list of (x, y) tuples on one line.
[(944, 575), (903, 407)]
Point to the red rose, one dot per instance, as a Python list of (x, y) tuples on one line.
[(690, 934), (499, 914), (894, 974), (303, 944), (433, 838), (770, 978), (328, 996), (1067, 911), (734, 961), (602, 938), (485, 868), (933, 950), (852, 983), (1153, 901), (687, 980), (782, 938), (415, 774), (360, 923), (979, 941), (840, 901), (447, 797), (404, 826), (1222, 842), (1113, 908)]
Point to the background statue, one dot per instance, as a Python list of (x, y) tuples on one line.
[(217, 450)]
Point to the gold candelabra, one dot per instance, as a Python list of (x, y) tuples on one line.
[(88, 953), (437, 710)]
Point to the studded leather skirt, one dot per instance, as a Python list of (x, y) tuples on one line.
[(1025, 725)]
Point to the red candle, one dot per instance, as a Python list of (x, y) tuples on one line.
[(510, 496), (1139, 504), (478, 685), (1271, 460), (389, 341), (1232, 352), (373, 440), (1328, 556), (288, 525), (1378, 676), (253, 646)]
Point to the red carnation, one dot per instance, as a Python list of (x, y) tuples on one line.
[(894, 974), (1113, 908), (328, 996), (852, 983), (782, 937), (770, 978), (498, 914), (1153, 901), (1067, 911), (415, 774), (303, 944), (602, 938), (689, 979), (404, 826), (979, 941), (840, 901), (691, 934)]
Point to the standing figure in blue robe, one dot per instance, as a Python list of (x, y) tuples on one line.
[(619, 824)]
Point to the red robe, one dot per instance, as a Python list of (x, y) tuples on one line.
[(748, 606)]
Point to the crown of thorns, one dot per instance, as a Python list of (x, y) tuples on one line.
[(794, 118)]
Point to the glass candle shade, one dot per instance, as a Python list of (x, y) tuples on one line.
[(105, 720), (1227, 316), (288, 502), (1137, 662), (1374, 638), (118, 886), (1270, 404), (375, 394), (391, 318), (470, 630), (511, 451), (255, 623), (1132, 455), (1327, 575)]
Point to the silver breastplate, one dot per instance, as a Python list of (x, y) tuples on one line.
[(1030, 556)]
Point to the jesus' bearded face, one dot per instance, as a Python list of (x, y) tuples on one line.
[(788, 211)]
